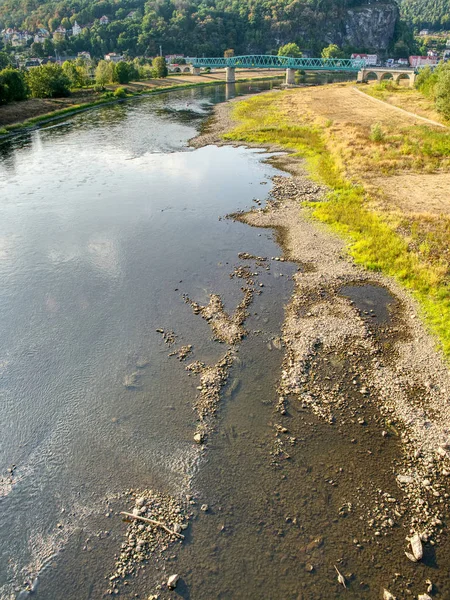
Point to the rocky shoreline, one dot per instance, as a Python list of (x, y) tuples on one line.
[(342, 359)]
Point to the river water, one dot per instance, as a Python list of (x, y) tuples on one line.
[(106, 220)]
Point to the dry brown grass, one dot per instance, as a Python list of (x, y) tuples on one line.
[(396, 171)]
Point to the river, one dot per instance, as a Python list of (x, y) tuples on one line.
[(107, 220)]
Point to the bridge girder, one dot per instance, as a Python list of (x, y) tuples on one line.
[(262, 61)]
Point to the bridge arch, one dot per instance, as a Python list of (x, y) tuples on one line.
[(372, 76), (403, 76), (386, 77)]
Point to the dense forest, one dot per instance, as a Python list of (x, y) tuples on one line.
[(202, 27), (432, 14)]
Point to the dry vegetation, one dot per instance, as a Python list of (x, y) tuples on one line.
[(388, 173)]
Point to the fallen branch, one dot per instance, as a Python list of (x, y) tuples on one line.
[(152, 522)]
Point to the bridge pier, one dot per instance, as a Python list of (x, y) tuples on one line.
[(290, 76), (230, 74), (195, 70)]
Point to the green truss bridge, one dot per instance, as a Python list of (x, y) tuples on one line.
[(261, 61)]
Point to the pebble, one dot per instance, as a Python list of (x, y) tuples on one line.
[(172, 582), (204, 507)]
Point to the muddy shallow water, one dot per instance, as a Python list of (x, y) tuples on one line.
[(109, 221)]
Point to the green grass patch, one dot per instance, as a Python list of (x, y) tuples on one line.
[(373, 239)]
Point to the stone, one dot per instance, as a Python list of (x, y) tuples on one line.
[(172, 582), (416, 546), (198, 438), (424, 597), (405, 479), (388, 596), (204, 507)]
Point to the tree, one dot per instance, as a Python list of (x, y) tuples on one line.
[(49, 48), (104, 73), (122, 73), (228, 53), (332, 51), (401, 50), (291, 50), (4, 61), (442, 91), (12, 85), (37, 49), (48, 81), (160, 67), (75, 73)]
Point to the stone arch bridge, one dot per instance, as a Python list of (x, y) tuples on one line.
[(386, 74)]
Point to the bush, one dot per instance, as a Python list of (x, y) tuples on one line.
[(48, 81), (426, 81), (442, 93), (120, 92), (12, 86), (376, 133)]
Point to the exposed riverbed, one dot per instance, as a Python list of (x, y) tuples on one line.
[(113, 240)]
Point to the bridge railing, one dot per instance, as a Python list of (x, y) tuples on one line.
[(261, 61)]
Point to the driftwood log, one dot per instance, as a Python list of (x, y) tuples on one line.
[(152, 522)]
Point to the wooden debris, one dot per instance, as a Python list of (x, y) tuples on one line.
[(152, 522), (340, 577)]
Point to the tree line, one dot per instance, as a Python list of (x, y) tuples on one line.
[(435, 84), (190, 27), (54, 80)]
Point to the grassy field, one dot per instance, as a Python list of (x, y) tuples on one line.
[(357, 148)]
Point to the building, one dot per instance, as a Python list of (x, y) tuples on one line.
[(113, 57), (132, 14), (424, 32), (422, 61), (84, 55), (59, 33), (104, 20), (20, 38), (76, 29), (404, 62), (371, 60)]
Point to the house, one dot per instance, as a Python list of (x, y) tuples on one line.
[(59, 33), (8, 33), (84, 55), (424, 32), (404, 62), (20, 38), (132, 14), (104, 20), (76, 29), (370, 59), (422, 61), (32, 62), (113, 57), (173, 58)]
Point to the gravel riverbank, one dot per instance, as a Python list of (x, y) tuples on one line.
[(355, 346)]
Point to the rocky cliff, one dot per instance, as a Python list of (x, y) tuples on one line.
[(371, 26)]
